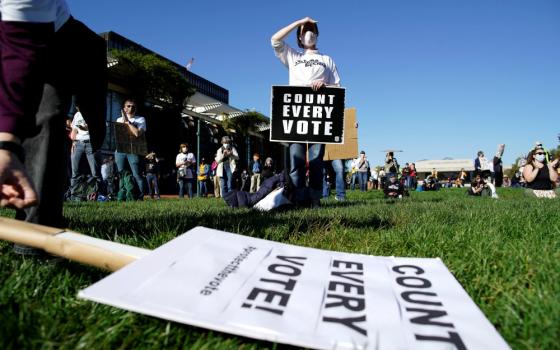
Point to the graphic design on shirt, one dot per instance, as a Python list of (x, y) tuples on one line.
[(310, 63)]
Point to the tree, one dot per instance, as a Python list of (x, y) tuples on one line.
[(153, 79), (244, 124)]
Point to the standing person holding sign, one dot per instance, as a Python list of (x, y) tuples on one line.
[(307, 68), (313, 69), (227, 158), (137, 126), (363, 166)]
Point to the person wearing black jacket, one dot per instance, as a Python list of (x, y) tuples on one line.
[(268, 169), (393, 188)]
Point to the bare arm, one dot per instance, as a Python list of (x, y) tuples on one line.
[(552, 171), (134, 130), (283, 33), (530, 172)]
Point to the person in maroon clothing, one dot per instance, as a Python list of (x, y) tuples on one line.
[(412, 175), (39, 74)]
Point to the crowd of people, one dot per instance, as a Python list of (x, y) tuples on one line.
[(39, 82), (118, 170), (222, 174)]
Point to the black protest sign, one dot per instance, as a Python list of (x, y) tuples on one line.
[(299, 114)]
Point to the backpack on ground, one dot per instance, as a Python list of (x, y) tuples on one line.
[(85, 188)]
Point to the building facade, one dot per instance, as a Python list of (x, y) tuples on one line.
[(199, 124)]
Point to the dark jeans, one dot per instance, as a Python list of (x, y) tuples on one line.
[(362, 176), (203, 188), (153, 188), (183, 181), (297, 169), (226, 181), (353, 181), (340, 184), (46, 155)]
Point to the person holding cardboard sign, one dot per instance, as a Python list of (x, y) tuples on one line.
[(313, 69), (137, 126)]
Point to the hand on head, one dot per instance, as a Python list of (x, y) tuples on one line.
[(307, 20)]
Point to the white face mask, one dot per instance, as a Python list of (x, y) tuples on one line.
[(539, 158), (226, 145), (309, 39)]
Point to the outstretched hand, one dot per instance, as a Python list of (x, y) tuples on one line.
[(16, 190)]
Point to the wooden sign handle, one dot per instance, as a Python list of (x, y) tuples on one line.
[(44, 237)]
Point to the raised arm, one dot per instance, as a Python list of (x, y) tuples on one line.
[(283, 33), (553, 173)]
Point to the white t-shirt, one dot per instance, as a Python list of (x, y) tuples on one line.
[(306, 67), (78, 120), (484, 164), (181, 158), (137, 121), (41, 11)]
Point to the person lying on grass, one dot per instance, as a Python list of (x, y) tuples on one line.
[(275, 192)]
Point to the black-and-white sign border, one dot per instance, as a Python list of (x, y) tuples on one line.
[(271, 139)]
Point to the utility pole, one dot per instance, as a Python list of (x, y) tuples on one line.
[(197, 156)]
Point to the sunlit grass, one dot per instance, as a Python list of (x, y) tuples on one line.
[(505, 253)]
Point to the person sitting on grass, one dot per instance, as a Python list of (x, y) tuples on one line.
[(540, 174), (481, 188), (394, 189), (478, 187), (430, 183)]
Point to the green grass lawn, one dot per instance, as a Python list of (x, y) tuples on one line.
[(505, 253)]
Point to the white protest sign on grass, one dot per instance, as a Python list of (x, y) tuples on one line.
[(300, 296)]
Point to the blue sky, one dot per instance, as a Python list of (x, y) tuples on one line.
[(434, 78)]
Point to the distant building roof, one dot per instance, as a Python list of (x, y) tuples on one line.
[(443, 165)]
